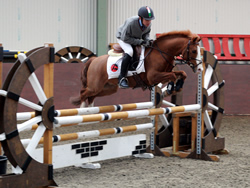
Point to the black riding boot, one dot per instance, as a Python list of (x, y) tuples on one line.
[(123, 82)]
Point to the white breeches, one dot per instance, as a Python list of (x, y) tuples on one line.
[(127, 48)]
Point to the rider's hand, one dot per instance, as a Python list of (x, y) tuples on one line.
[(146, 43)]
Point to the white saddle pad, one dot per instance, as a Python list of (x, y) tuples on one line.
[(114, 65)]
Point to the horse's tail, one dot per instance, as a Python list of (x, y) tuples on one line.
[(77, 100)]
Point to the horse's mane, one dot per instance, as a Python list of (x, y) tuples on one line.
[(185, 34)]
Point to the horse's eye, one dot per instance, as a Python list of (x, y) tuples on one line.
[(194, 51)]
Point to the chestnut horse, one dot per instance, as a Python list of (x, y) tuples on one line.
[(159, 62)]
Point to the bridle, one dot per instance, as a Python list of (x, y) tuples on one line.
[(177, 58), (188, 60)]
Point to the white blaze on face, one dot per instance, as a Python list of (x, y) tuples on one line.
[(199, 67)]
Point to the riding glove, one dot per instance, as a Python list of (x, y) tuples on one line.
[(146, 43)]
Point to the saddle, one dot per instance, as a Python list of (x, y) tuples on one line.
[(136, 56), (133, 64)]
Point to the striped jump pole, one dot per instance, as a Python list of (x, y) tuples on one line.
[(94, 133), (27, 126), (31, 124), (124, 115), (90, 110), (102, 109)]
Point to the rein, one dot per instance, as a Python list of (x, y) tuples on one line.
[(183, 61)]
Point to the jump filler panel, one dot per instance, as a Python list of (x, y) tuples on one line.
[(94, 151)]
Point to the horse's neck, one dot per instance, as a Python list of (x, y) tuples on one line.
[(173, 46)]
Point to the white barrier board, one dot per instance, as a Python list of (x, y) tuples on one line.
[(95, 150)]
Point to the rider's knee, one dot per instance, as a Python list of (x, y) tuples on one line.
[(130, 53)]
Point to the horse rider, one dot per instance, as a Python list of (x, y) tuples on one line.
[(135, 31)]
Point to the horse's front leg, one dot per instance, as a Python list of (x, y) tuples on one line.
[(173, 87), (160, 77), (181, 76)]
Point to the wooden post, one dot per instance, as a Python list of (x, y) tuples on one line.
[(48, 90), (193, 131), (177, 149), (49, 77), (176, 131), (156, 119)]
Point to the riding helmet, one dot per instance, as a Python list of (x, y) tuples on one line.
[(146, 13)]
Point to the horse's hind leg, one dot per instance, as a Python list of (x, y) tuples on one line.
[(91, 101), (79, 100), (108, 89), (86, 93), (84, 104), (91, 92), (95, 85)]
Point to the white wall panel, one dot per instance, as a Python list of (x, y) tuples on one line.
[(27, 24), (200, 16)]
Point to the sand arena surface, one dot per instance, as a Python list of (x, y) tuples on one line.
[(233, 170)]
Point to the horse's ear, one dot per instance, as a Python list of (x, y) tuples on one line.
[(196, 39)]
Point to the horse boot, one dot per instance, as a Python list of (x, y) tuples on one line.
[(123, 82), (179, 84), (170, 88)]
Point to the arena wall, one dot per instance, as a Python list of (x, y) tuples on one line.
[(67, 84)]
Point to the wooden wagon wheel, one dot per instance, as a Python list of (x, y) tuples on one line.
[(32, 172), (73, 54), (213, 101)]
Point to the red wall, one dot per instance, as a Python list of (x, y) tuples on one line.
[(67, 84)]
